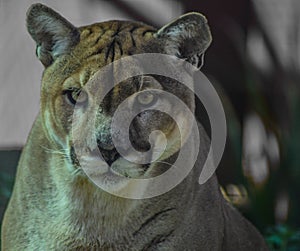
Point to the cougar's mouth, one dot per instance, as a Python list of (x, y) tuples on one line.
[(99, 162), (115, 177)]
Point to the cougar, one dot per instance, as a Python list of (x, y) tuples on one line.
[(56, 205)]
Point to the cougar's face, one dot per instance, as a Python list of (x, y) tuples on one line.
[(125, 134)]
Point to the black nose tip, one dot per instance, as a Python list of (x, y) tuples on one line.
[(107, 150), (109, 156)]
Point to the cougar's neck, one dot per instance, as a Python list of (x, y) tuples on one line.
[(110, 219)]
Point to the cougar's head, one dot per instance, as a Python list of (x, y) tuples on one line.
[(115, 118)]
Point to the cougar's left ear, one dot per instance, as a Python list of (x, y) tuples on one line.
[(53, 34), (187, 37)]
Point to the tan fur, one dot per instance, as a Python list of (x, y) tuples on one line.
[(54, 206)]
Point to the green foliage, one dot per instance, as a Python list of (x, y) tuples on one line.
[(283, 238), (6, 181)]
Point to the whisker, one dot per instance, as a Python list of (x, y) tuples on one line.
[(77, 171), (62, 151)]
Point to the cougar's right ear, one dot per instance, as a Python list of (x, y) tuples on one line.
[(53, 34), (187, 37)]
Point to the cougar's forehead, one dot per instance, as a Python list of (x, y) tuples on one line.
[(100, 44), (109, 41)]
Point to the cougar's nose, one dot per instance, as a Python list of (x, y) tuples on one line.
[(109, 156), (108, 152)]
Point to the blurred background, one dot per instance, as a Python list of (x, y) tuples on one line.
[(253, 62)]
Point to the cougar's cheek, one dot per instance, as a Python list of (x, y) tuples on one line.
[(53, 131)]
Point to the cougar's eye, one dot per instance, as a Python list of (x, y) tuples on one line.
[(75, 96), (146, 98)]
